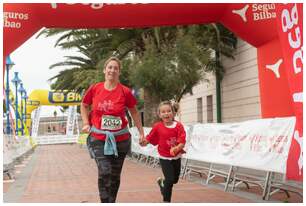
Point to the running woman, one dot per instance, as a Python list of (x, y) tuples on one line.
[(103, 113)]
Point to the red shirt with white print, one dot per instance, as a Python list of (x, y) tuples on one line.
[(108, 108), (166, 137)]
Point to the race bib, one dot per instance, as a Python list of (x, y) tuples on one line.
[(109, 122)]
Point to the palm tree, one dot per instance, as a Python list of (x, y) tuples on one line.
[(165, 61), (82, 70), (94, 45)]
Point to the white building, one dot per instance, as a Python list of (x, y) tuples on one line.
[(240, 98)]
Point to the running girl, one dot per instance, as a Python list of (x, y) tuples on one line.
[(170, 137)]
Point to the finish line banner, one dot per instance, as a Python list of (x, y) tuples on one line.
[(256, 144)]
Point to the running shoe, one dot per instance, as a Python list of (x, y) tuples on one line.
[(160, 182)]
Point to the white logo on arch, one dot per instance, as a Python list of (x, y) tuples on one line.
[(275, 67), (242, 12)]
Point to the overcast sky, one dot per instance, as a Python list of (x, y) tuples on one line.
[(32, 61)]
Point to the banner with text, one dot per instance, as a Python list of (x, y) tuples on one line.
[(35, 122), (256, 144), (72, 111)]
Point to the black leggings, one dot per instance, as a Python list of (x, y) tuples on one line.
[(109, 168), (171, 170)]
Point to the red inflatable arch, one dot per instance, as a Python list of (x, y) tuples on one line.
[(275, 29)]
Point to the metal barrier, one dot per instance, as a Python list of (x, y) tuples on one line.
[(15, 149), (277, 183), (56, 139), (246, 176)]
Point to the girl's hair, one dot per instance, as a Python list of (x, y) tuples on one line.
[(112, 59), (173, 106)]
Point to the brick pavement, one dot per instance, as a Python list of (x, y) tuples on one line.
[(65, 173)]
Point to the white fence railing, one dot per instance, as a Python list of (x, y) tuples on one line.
[(55, 139), (14, 148)]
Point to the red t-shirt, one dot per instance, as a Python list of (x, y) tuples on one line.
[(108, 108), (166, 137)]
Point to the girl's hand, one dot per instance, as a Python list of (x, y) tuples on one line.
[(86, 128), (143, 142), (174, 151)]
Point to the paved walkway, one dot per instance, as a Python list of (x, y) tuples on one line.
[(65, 173)]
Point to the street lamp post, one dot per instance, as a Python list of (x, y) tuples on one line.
[(25, 97), (16, 81), (21, 90), (8, 64)]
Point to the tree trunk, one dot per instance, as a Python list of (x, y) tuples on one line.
[(150, 108)]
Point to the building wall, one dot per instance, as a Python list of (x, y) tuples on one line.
[(239, 90)]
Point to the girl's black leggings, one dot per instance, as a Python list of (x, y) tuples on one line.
[(109, 168), (171, 170)]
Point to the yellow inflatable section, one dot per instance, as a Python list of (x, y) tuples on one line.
[(42, 97)]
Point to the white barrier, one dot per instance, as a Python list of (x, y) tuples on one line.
[(56, 139), (256, 144), (14, 149), (149, 150), (261, 145), (8, 152)]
